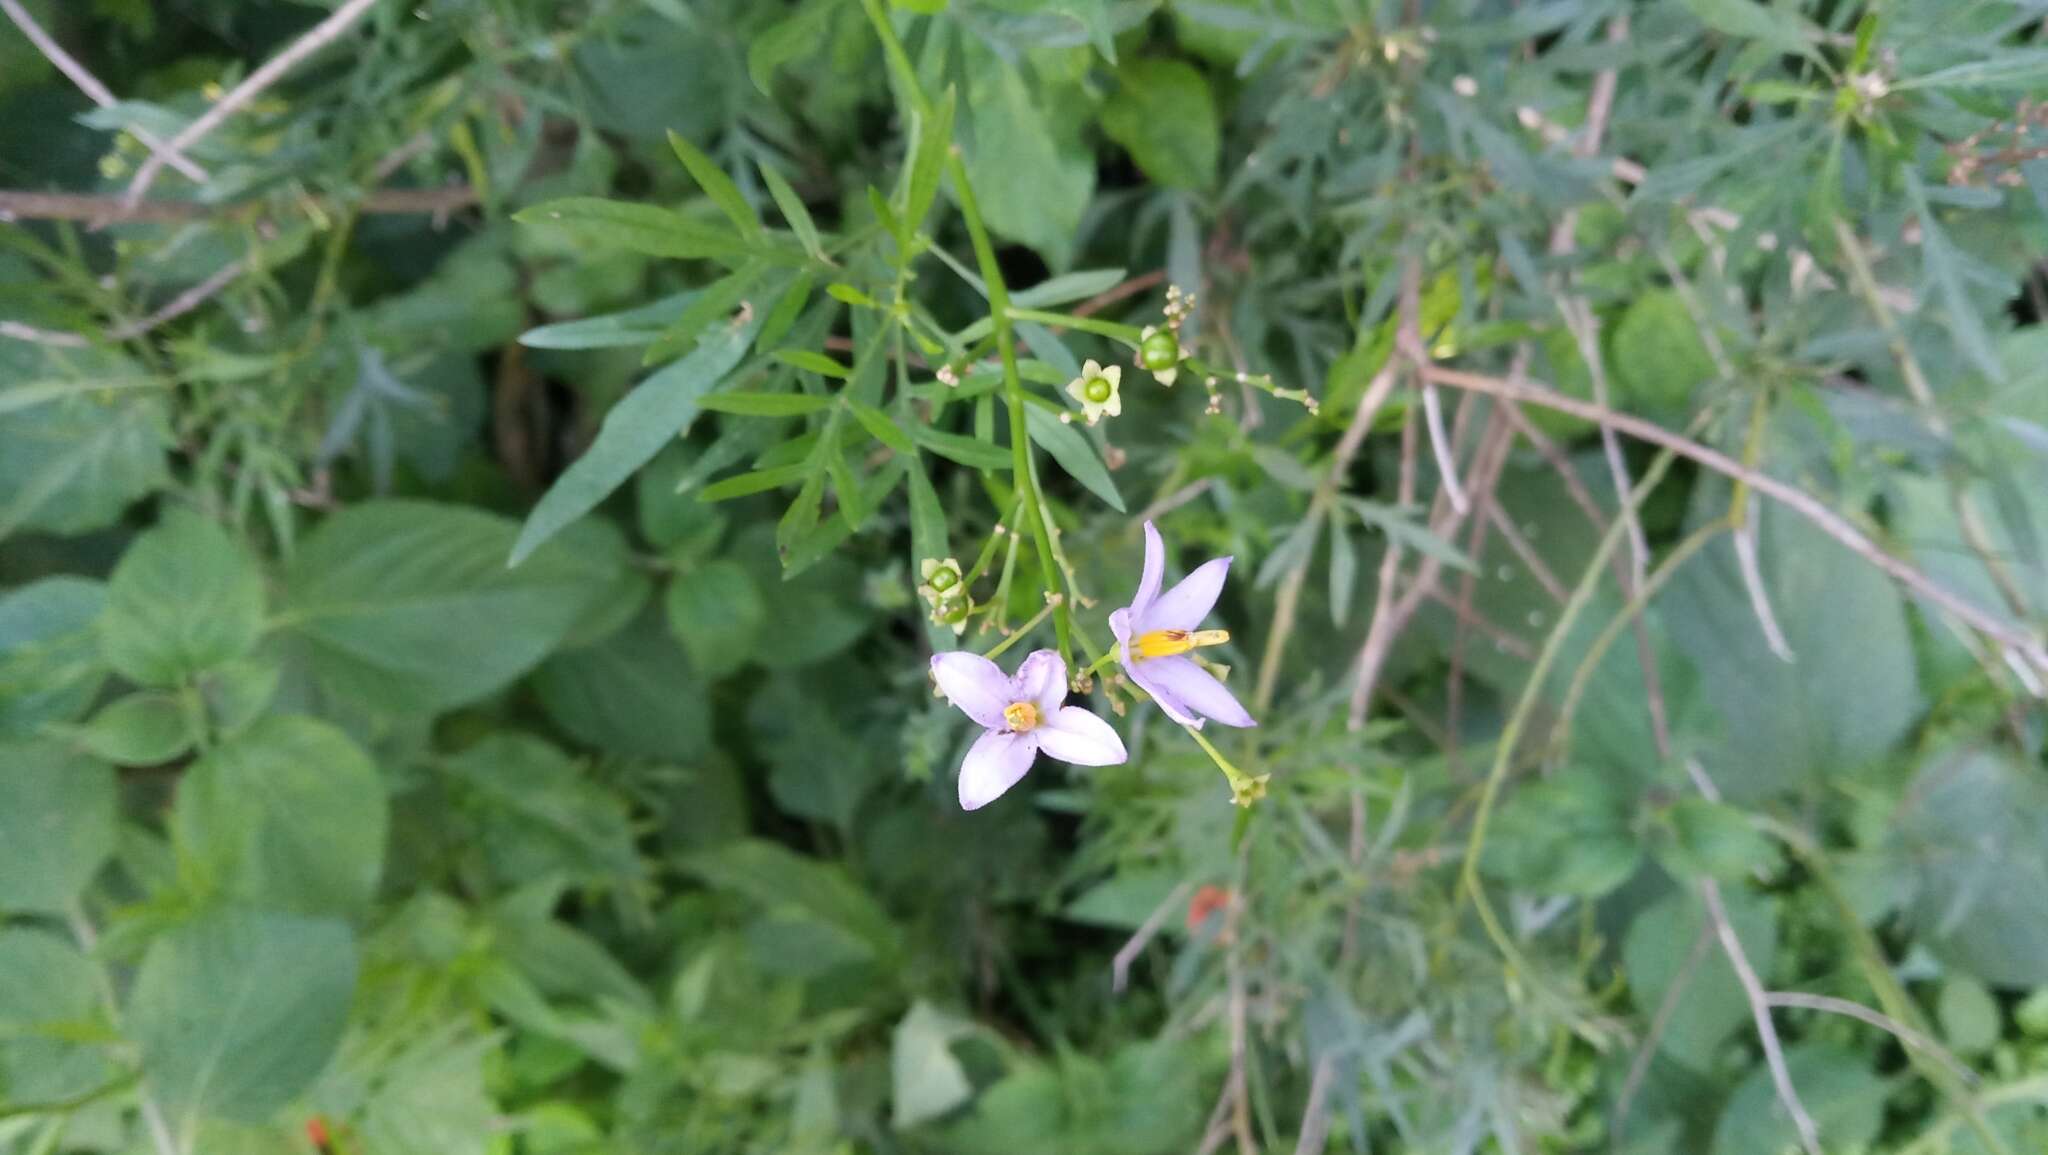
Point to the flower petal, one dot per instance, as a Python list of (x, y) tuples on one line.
[(974, 684), (994, 764), (1152, 575), (1194, 689), (1162, 694), (1185, 605), (1074, 735), (1042, 681), (1091, 368)]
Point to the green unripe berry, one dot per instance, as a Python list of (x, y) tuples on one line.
[(1097, 389), (1159, 351)]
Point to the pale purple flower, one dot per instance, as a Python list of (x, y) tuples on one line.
[(1021, 715), (1156, 632)]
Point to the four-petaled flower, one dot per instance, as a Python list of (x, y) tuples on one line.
[(1157, 631), (1021, 716), (1096, 390)]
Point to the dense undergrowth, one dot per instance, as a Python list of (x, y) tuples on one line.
[(480, 494)]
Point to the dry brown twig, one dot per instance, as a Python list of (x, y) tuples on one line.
[(1120, 966), (1797, 500), (24, 205), (96, 92), (316, 38), (1760, 1010)]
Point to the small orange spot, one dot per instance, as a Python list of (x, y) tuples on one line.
[(1206, 901), (316, 1132)]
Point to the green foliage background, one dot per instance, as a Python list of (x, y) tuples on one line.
[(321, 821)]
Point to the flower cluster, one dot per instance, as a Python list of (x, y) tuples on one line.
[(1024, 714)]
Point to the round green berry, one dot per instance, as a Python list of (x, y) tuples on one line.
[(1159, 351)]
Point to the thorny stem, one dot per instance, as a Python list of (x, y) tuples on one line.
[(999, 313)]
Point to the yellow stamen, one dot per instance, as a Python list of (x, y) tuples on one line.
[(1022, 716), (1166, 643)]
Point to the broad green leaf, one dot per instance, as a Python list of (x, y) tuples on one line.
[(672, 520), (773, 876), (49, 1007), (409, 605), (1032, 177), (245, 818), (1852, 690), (633, 327), (432, 1098), (967, 451), (794, 212), (1840, 1091), (1973, 834), (655, 231), (717, 613), (1714, 840), (184, 598), (718, 186), (659, 409), (139, 730), (790, 719), (635, 693), (1659, 359), (1164, 115), (1970, 1018), (1069, 447), (1568, 834), (56, 824), (238, 1011), (1661, 940), (602, 546), (73, 465), (926, 1080), (538, 814), (765, 404), (50, 663)]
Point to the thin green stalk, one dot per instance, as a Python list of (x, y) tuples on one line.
[(1652, 584), (1511, 734), (1128, 334), (999, 311), (1017, 635)]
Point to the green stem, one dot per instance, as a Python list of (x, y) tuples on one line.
[(999, 311), (1017, 635), (1532, 689), (1128, 334)]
